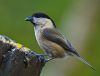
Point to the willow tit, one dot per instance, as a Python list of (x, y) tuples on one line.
[(50, 39)]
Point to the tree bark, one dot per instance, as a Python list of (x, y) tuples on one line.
[(16, 61)]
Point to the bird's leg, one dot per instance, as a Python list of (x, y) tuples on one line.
[(41, 54), (41, 57), (35, 54)]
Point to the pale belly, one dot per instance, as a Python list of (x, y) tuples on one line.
[(51, 48)]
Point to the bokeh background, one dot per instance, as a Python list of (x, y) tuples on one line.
[(79, 21)]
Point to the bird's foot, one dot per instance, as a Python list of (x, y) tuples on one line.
[(40, 57)]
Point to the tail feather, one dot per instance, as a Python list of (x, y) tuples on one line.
[(84, 61)]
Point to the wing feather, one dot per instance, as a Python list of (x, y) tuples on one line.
[(55, 36)]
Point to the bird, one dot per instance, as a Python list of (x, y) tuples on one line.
[(50, 39)]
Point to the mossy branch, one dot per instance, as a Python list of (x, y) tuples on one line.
[(15, 59)]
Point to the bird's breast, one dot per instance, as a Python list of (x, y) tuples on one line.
[(51, 48), (38, 36)]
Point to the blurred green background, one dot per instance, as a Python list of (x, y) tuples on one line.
[(79, 20)]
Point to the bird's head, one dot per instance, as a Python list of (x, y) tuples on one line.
[(41, 20)]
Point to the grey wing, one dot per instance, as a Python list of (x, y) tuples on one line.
[(56, 37)]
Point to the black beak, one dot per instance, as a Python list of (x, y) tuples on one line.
[(29, 18)]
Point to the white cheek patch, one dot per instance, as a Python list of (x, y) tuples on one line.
[(43, 20), (39, 20), (35, 20)]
